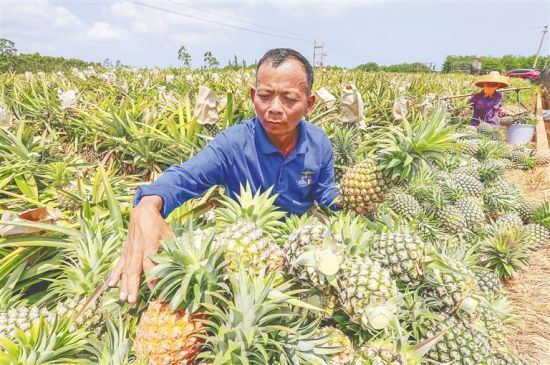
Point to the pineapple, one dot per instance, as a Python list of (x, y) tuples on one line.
[(460, 344), (473, 213), (363, 185), (536, 235), (492, 327), (452, 219), (403, 255), (486, 128), (525, 211), (335, 338), (367, 293), (523, 159), (470, 185), (470, 146), (470, 132), (488, 282), (189, 268), (470, 170), (510, 218), (247, 227), (404, 204), (314, 257), (379, 353), (168, 337), (211, 129), (501, 183), (507, 357), (449, 281)]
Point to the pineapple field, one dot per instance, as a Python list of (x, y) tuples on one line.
[(439, 256)]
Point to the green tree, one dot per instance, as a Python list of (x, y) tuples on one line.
[(210, 61), (7, 48), (184, 56)]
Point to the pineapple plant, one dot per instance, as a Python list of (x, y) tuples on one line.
[(470, 146), (379, 352), (363, 185), (541, 214), (510, 218), (542, 159)]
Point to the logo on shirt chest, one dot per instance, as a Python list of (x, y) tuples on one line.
[(306, 179)]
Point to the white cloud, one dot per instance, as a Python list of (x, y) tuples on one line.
[(101, 31)]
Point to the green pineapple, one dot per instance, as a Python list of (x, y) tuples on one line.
[(367, 293), (379, 352), (452, 219), (472, 211), (403, 255), (469, 184), (363, 185), (525, 211), (510, 218), (470, 146), (460, 344), (486, 128), (404, 204), (469, 132), (536, 235), (488, 283), (247, 227), (491, 327), (449, 281), (211, 129), (470, 170), (507, 357)]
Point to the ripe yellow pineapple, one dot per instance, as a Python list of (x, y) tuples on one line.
[(167, 338)]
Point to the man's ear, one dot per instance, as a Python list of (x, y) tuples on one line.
[(252, 93), (310, 102)]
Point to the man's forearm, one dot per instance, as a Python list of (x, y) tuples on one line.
[(154, 201)]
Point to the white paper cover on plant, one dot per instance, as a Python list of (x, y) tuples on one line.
[(351, 104), (206, 105), (5, 117), (325, 96), (400, 108)]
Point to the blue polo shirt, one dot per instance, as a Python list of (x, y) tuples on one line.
[(244, 153)]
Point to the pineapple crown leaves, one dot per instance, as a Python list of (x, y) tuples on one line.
[(188, 268), (89, 258), (256, 208), (45, 343), (405, 147), (497, 200), (252, 307), (115, 346), (505, 250), (541, 214)]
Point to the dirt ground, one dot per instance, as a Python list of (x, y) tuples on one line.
[(529, 292)]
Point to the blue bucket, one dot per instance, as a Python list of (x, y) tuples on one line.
[(520, 133)]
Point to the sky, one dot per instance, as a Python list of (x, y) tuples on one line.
[(149, 33)]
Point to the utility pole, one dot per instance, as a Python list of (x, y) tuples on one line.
[(318, 54), (544, 31)]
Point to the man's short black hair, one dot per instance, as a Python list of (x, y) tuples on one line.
[(277, 56)]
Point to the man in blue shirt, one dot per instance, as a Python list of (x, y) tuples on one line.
[(276, 148)]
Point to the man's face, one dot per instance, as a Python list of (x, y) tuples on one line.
[(280, 97), (489, 88)]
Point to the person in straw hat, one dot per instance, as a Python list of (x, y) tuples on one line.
[(487, 103)]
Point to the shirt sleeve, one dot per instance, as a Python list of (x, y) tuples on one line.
[(326, 191), (188, 180)]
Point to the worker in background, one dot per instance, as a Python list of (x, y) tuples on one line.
[(487, 104)]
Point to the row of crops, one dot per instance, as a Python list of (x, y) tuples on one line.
[(415, 280)]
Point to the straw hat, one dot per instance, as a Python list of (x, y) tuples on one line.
[(493, 76)]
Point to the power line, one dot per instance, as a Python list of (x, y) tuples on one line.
[(219, 23), (241, 20)]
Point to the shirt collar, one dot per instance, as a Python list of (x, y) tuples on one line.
[(266, 147)]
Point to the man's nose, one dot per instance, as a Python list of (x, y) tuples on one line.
[(276, 106)]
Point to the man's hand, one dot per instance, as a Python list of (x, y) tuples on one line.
[(146, 230)]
